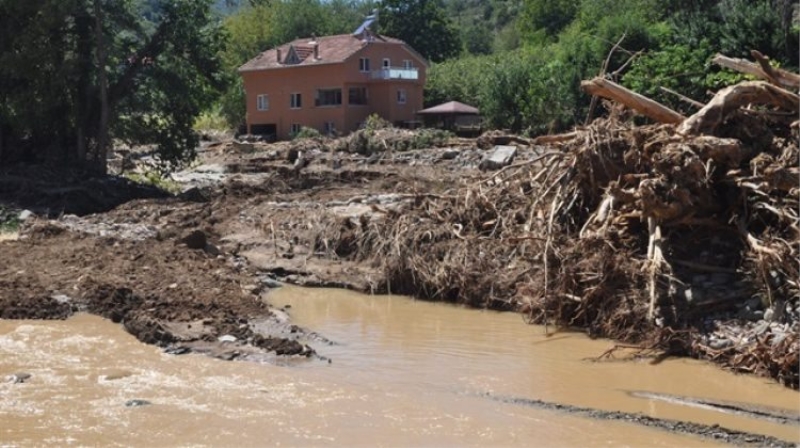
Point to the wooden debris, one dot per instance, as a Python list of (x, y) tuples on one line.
[(640, 103), (707, 119), (761, 70)]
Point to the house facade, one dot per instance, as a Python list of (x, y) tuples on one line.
[(332, 84)]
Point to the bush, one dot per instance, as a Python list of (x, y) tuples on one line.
[(306, 132), (157, 179), (9, 220)]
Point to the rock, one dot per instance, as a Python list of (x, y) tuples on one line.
[(136, 403), (227, 338), (61, 298), (243, 147), (212, 250), (19, 377), (501, 156), (449, 154), (194, 194), (181, 350), (25, 215), (754, 303), (769, 314), (196, 239), (270, 283)]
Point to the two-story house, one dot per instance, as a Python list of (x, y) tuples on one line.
[(332, 84)]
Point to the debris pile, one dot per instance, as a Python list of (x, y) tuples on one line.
[(673, 235)]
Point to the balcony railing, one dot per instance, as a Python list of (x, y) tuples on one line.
[(395, 73)]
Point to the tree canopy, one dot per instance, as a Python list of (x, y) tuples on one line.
[(423, 24), (75, 74)]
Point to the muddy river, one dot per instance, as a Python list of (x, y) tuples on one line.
[(402, 373)]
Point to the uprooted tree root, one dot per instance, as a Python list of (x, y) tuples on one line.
[(609, 232)]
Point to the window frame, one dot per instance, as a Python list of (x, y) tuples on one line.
[(318, 95), (387, 63), (295, 128), (363, 65), (265, 106), (402, 96), (296, 100), (407, 64), (350, 95)]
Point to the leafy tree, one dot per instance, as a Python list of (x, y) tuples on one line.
[(546, 18), (423, 25), (78, 73)]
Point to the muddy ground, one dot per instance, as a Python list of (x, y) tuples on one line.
[(193, 271)]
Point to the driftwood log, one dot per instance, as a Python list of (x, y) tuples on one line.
[(761, 70), (643, 105), (707, 119)]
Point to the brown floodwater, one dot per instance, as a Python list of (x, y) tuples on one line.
[(403, 373)]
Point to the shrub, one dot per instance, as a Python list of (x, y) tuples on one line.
[(306, 132)]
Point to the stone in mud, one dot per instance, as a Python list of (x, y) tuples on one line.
[(282, 346), (270, 283), (137, 403), (24, 215), (501, 156), (181, 350), (194, 194), (450, 154), (212, 250), (19, 377), (227, 338), (196, 239)]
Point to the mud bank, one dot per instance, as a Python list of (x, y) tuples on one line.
[(714, 432), (161, 291)]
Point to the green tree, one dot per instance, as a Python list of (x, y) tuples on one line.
[(423, 24), (78, 73), (546, 18)]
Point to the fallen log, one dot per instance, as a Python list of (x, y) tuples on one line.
[(642, 104), (761, 70), (554, 138), (707, 119)]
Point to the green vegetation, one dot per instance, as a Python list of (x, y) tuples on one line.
[(76, 75), (306, 132), (535, 88), (9, 220), (156, 178)]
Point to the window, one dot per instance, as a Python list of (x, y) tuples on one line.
[(357, 95), (401, 96), (387, 63), (262, 102), (328, 97), (295, 100), (294, 129), (407, 64), (330, 128), (363, 64)]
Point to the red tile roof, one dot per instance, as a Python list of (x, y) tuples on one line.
[(332, 50)]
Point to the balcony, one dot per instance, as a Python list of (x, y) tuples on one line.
[(395, 73)]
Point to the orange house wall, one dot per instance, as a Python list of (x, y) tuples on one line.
[(382, 94)]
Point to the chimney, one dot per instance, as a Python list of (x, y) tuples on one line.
[(279, 55), (316, 51)]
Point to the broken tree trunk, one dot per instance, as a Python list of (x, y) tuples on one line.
[(643, 105), (707, 119), (761, 70)]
